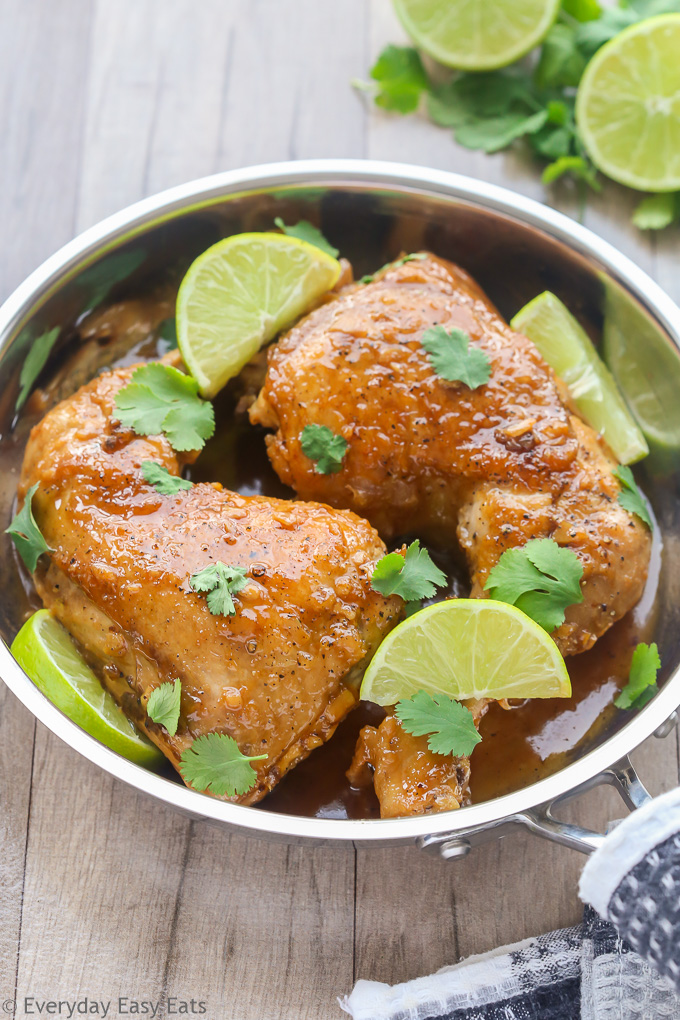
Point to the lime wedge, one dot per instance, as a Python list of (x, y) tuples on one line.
[(568, 350), (45, 651), (239, 294), (628, 106), (473, 35), (646, 366), (466, 648)]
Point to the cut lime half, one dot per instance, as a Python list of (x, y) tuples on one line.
[(467, 648), (477, 35), (239, 294), (46, 652), (628, 105), (568, 350)]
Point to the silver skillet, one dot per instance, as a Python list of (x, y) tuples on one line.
[(372, 211)]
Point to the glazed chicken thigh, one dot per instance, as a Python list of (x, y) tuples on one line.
[(280, 674), (495, 466)]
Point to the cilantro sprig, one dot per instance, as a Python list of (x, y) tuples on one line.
[(26, 534), (306, 231), (161, 479), (454, 359), (630, 497), (34, 362), (404, 260), (540, 578), (164, 704), (219, 582), (215, 762), (449, 725), (158, 399), (641, 686), (495, 109), (412, 576), (324, 446)]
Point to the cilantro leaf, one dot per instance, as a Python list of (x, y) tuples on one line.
[(416, 257), (578, 166), (478, 96), (35, 361), (26, 534), (452, 357), (561, 62), (214, 762), (495, 133), (220, 581), (641, 686), (161, 479), (657, 211), (400, 78), (163, 705), (158, 399), (449, 724), (306, 231), (412, 576), (322, 445), (540, 578), (631, 497), (592, 34)]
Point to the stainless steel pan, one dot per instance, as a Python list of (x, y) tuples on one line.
[(515, 248)]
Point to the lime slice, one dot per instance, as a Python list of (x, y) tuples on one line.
[(239, 294), (45, 651), (467, 648), (567, 349), (628, 106), (647, 368), (477, 35)]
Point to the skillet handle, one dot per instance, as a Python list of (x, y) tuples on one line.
[(542, 821)]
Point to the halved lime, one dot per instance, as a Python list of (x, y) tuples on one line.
[(477, 35), (239, 294), (44, 649), (467, 648), (568, 350), (628, 105)]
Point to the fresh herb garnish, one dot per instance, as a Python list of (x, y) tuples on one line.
[(450, 725), (399, 79), (657, 211), (158, 399), (492, 110), (163, 705), (220, 582), (541, 579), (454, 359), (631, 497), (34, 362), (413, 576), (161, 479), (415, 257), (641, 686), (214, 762), (306, 231), (26, 534), (325, 447)]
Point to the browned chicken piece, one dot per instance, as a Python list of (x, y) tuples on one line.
[(408, 777), (497, 465), (280, 674)]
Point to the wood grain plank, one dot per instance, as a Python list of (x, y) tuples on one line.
[(43, 56)]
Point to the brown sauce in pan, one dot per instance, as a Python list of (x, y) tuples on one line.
[(519, 746)]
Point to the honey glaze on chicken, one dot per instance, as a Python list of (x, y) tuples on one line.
[(518, 747)]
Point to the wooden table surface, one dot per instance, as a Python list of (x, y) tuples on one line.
[(104, 893)]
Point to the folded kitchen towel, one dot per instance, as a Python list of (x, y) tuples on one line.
[(623, 965)]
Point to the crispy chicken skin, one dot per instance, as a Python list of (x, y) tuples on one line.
[(496, 466), (280, 674)]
